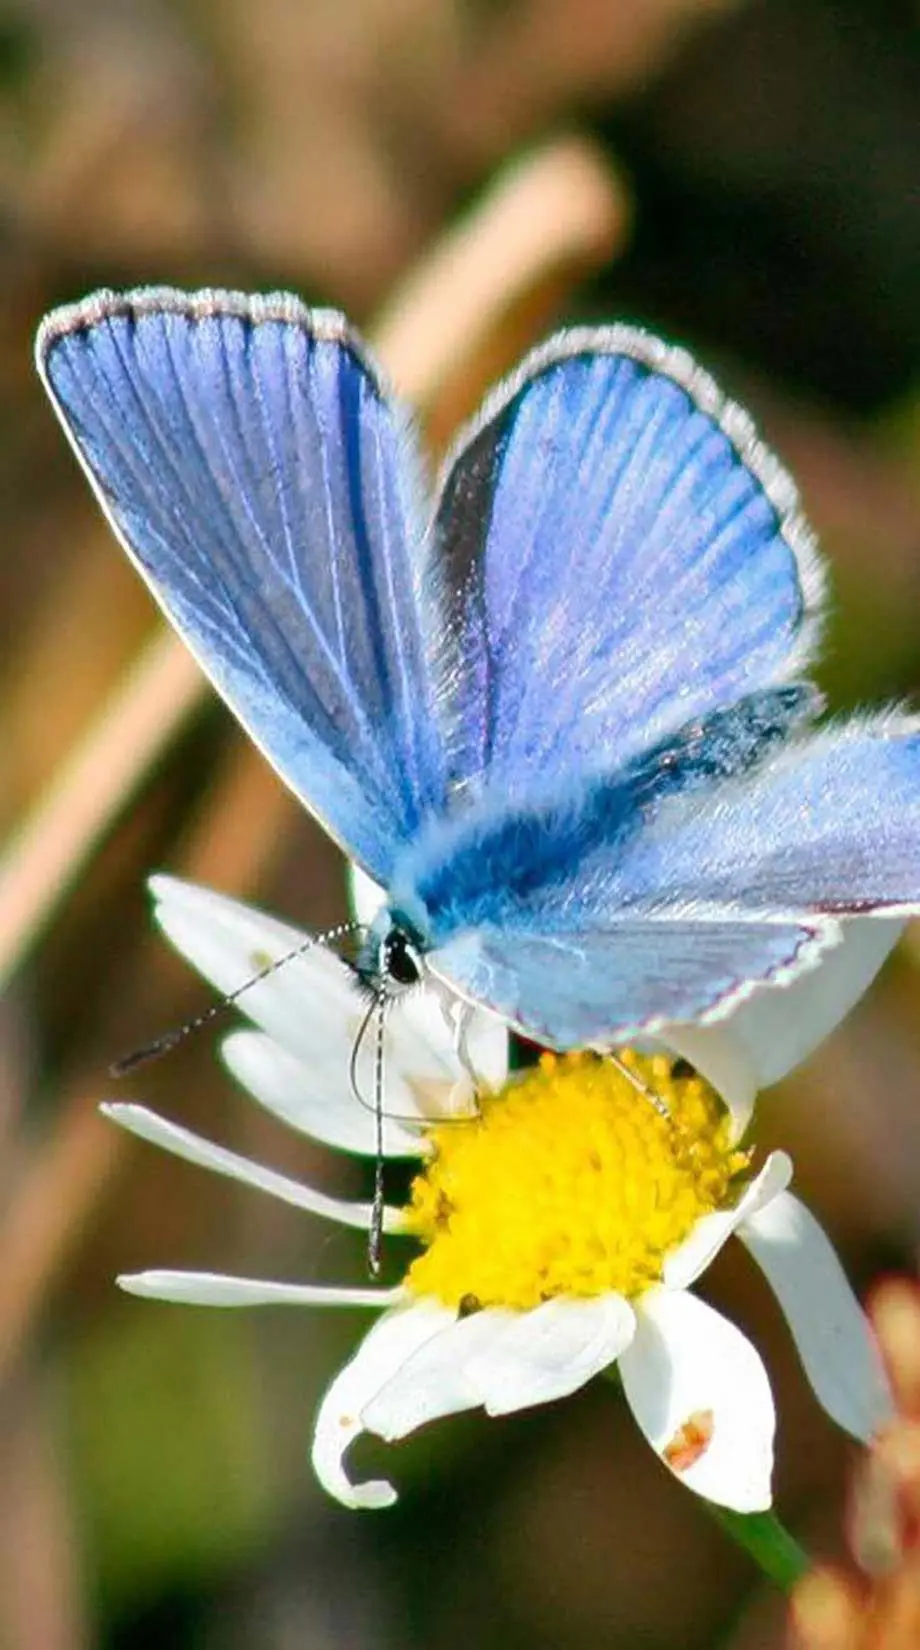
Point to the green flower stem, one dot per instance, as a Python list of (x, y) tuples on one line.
[(768, 1541)]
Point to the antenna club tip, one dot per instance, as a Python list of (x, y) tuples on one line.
[(149, 1051)]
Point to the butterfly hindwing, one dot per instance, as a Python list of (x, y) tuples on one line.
[(250, 461), (738, 882), (601, 987), (620, 556), (829, 825)]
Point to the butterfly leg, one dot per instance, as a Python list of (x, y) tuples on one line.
[(638, 1084)]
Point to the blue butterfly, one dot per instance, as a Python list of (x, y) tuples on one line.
[(560, 714)]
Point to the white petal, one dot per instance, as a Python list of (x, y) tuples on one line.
[(312, 1098), (829, 1327), (312, 1001), (366, 897), (194, 1149), (685, 1264), (217, 1289), (720, 1057), (700, 1393), (504, 1360), (387, 1346), (436, 1380), (550, 1352), (775, 1031)]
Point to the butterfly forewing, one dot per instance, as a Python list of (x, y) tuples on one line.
[(255, 470), (621, 556)]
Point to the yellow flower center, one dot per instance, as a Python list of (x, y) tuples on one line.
[(570, 1182)]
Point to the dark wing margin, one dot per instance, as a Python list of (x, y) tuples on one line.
[(247, 453)]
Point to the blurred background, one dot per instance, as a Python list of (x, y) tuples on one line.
[(460, 175)]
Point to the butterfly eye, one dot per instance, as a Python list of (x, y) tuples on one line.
[(400, 962)]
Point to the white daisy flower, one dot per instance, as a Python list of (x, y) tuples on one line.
[(562, 1221)]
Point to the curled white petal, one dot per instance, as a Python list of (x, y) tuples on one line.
[(698, 1251), (172, 1137), (218, 1289), (385, 1349), (436, 1380), (700, 1393), (503, 1360), (550, 1352), (828, 1325), (314, 1098)]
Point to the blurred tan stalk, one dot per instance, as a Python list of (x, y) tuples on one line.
[(44, 854)]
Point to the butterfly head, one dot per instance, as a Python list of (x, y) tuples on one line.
[(392, 958)]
